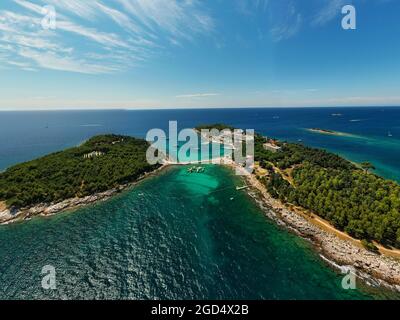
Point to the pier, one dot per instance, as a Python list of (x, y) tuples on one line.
[(195, 169)]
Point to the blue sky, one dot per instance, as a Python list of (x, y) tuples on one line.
[(192, 53)]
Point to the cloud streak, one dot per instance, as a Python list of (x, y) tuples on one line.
[(83, 43), (289, 25), (330, 10), (53, 61), (196, 95)]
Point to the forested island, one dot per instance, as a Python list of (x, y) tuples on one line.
[(349, 196), (102, 163), (354, 200)]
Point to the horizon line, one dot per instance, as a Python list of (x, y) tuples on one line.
[(194, 108)]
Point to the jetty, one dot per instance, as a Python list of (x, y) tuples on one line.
[(195, 169), (219, 160)]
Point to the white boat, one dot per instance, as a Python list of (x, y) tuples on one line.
[(390, 134)]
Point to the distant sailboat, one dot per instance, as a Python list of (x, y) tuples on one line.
[(390, 134)]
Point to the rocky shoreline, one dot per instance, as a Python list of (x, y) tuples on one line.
[(8, 216), (373, 268), (48, 209)]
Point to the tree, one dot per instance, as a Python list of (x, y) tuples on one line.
[(62, 175), (364, 205)]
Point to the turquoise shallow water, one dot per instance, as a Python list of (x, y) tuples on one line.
[(174, 236)]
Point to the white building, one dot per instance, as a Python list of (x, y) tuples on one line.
[(271, 147), (93, 155)]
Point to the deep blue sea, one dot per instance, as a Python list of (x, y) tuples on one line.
[(176, 235), (27, 135)]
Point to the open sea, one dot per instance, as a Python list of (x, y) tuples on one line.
[(176, 235)]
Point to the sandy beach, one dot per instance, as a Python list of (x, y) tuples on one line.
[(331, 132)]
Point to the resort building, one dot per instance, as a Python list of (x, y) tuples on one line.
[(271, 146), (93, 154)]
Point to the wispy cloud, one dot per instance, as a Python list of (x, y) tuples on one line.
[(330, 10), (29, 5), (120, 18), (51, 60), (282, 18), (249, 7), (196, 95), (83, 43), (178, 18), (105, 39), (289, 25), (81, 8)]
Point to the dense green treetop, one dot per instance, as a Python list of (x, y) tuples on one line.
[(100, 164), (218, 126), (354, 200)]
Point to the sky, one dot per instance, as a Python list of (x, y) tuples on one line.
[(139, 54)]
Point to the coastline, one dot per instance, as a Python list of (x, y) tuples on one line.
[(50, 209), (341, 253), (330, 132)]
